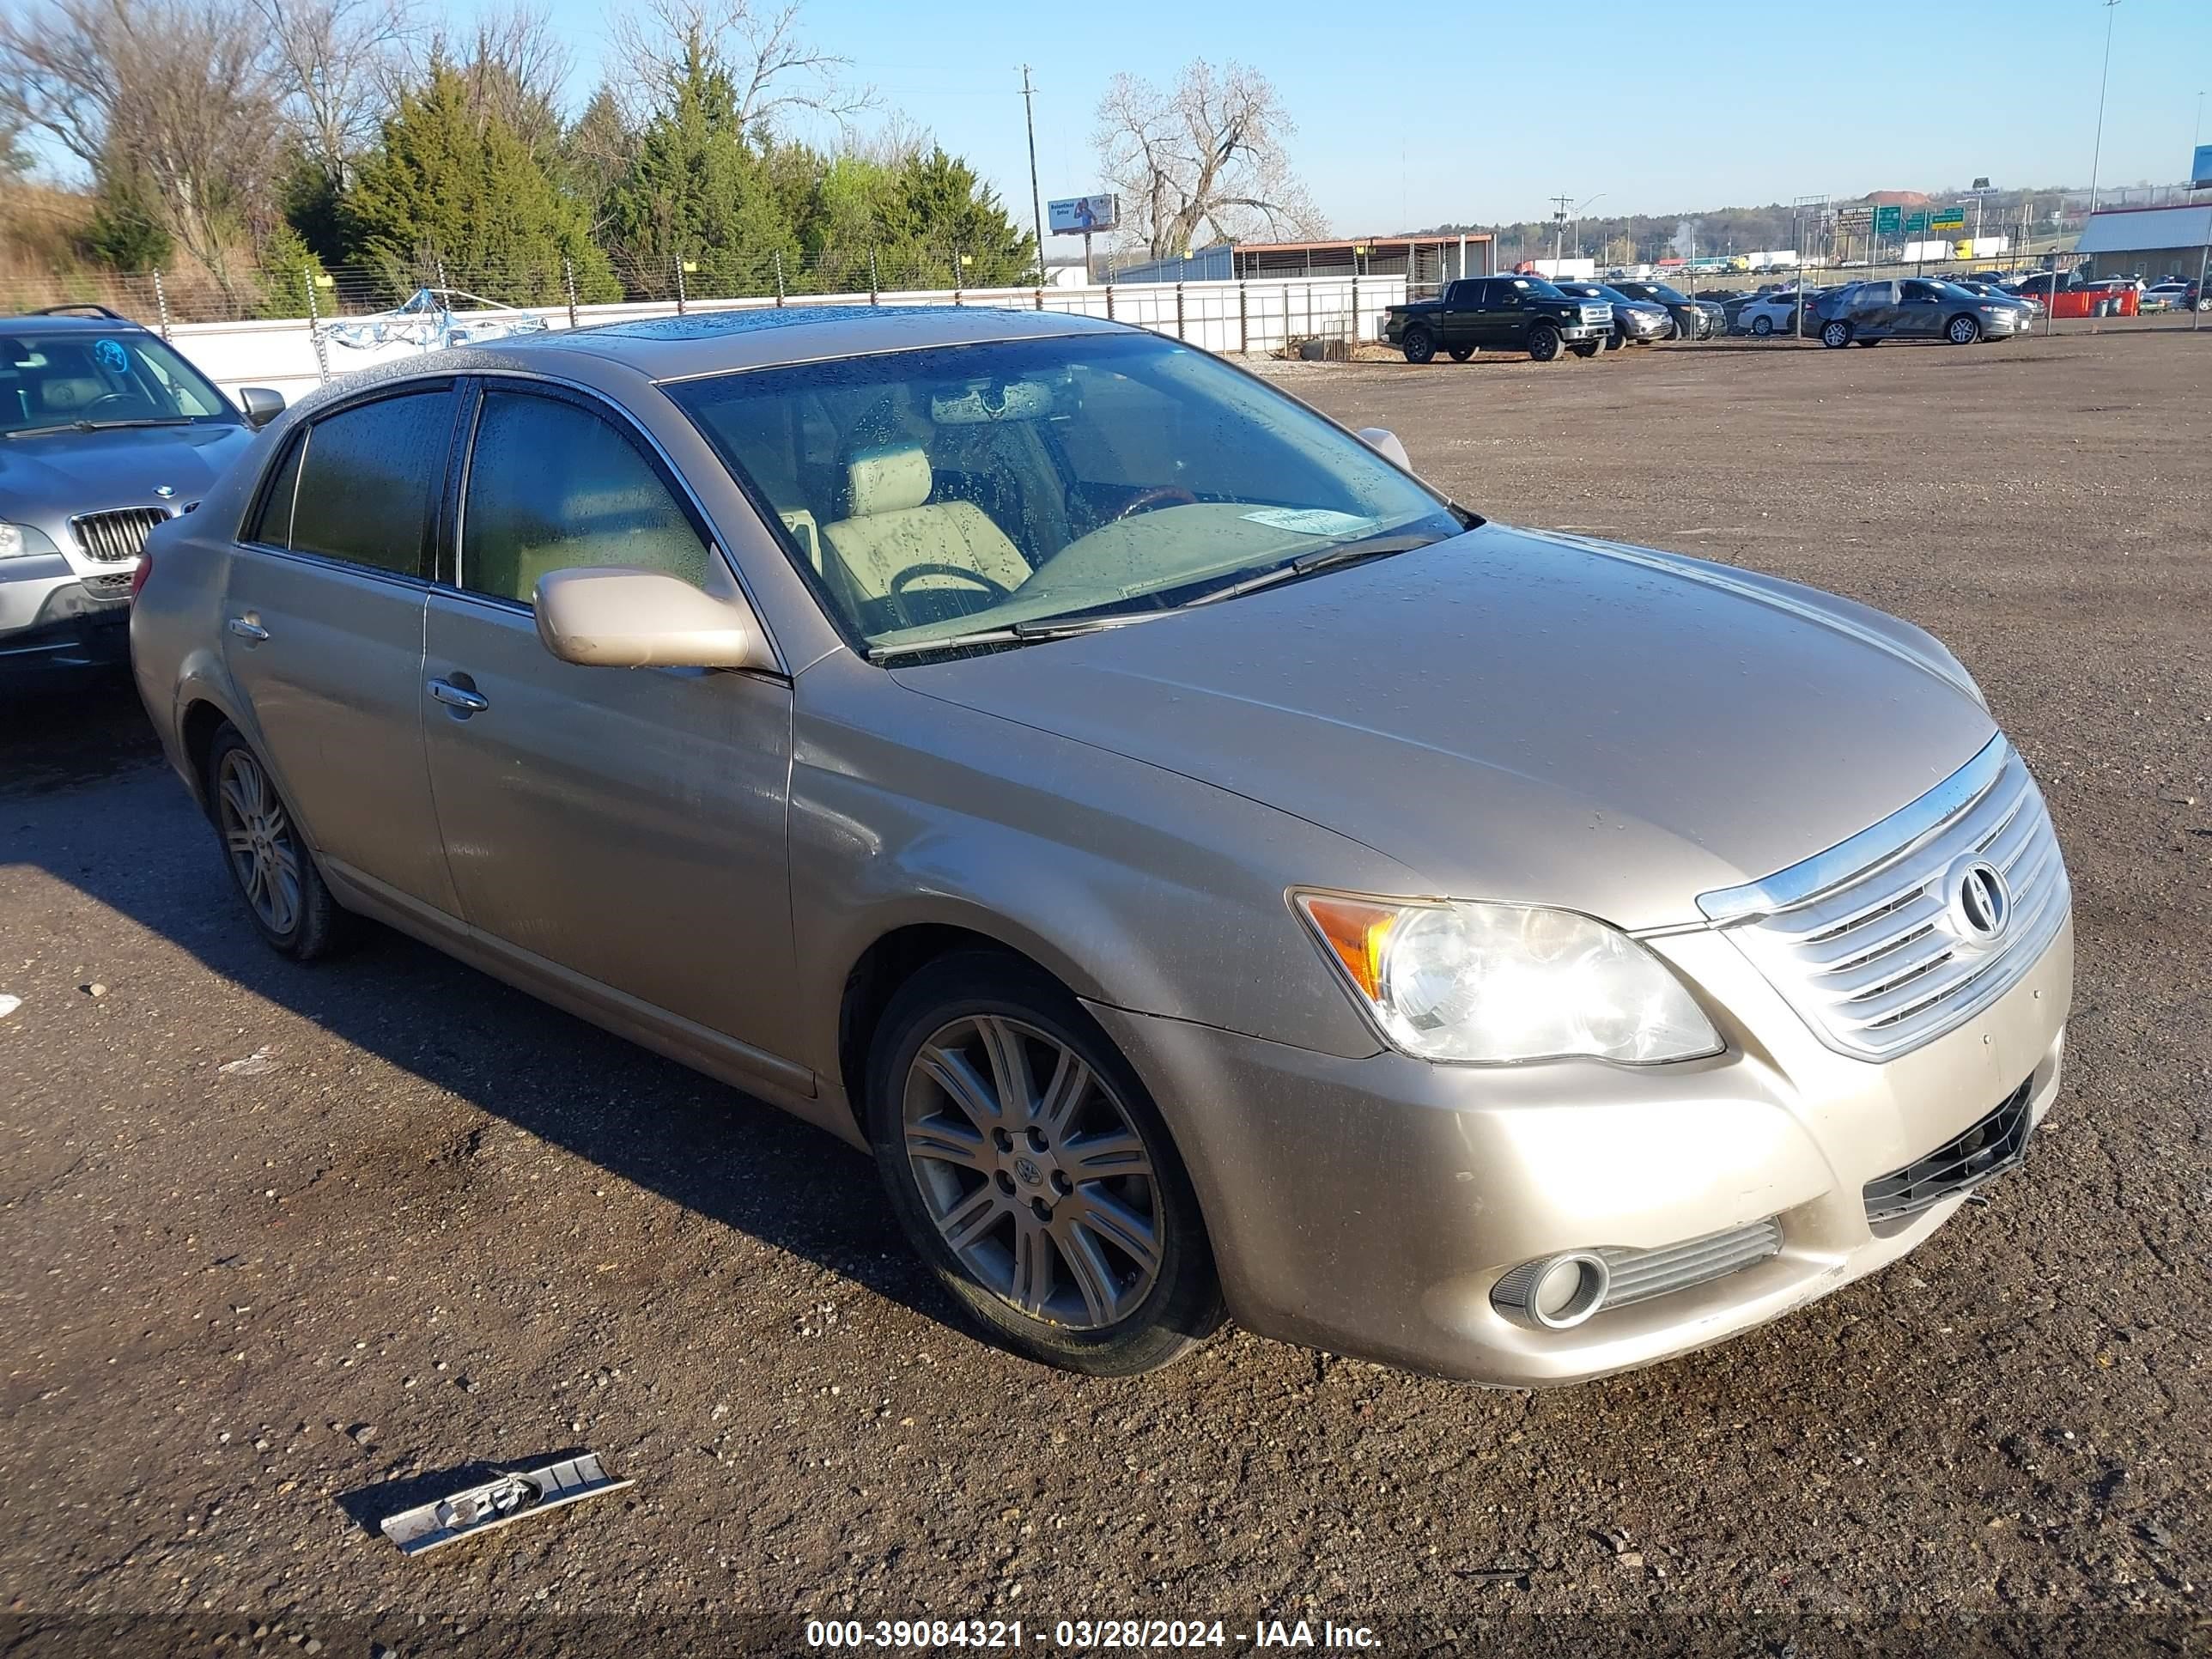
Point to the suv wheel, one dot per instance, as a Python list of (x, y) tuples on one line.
[(1837, 333), (1543, 343), (1033, 1173), (1418, 345), (1586, 347), (267, 858)]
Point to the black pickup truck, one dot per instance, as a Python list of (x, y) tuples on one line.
[(1502, 314)]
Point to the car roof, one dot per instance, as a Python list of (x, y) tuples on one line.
[(723, 342), (57, 324)]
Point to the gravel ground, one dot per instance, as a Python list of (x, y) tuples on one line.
[(288, 1246)]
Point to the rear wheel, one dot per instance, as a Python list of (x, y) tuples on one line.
[(1838, 334), (268, 857), (1460, 354), (1762, 326), (1418, 345), (1962, 330), (1033, 1173), (1543, 343)]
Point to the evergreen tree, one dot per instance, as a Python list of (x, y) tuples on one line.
[(452, 184), (286, 265)]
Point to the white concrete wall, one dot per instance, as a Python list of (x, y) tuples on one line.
[(1257, 316)]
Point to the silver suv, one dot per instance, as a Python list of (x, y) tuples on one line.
[(105, 432)]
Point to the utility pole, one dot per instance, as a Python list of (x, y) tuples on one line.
[(1037, 202), (2096, 154), (1560, 205)]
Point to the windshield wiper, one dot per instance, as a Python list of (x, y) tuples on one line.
[(1020, 633), (1322, 558), (98, 426)]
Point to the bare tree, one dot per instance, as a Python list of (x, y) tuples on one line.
[(1207, 154), (774, 70), (514, 60), (338, 59), (173, 95)]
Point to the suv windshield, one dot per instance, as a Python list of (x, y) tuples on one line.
[(1002, 488), (74, 378), (1672, 296)]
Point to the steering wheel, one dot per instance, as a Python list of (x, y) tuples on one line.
[(914, 573), (107, 398), (1161, 496)]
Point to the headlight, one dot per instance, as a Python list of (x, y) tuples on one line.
[(18, 539), (1491, 983)]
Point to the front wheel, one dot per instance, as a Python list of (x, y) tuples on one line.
[(1460, 354), (1963, 329), (1586, 347), (1836, 334), (1543, 343), (1418, 345), (1033, 1173)]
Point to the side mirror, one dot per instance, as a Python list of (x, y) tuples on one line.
[(260, 404), (626, 618), (1384, 442)]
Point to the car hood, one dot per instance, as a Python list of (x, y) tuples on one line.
[(61, 473), (1524, 716)]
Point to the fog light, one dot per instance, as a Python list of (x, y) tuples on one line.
[(1555, 1293)]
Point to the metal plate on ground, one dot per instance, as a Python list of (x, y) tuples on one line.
[(496, 1503)]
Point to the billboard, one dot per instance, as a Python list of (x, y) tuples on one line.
[(2200, 169), (1079, 216)]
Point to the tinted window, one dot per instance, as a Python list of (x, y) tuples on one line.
[(273, 523), (368, 479), (123, 375), (552, 486)]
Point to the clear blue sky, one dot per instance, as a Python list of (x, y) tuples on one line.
[(1743, 103)]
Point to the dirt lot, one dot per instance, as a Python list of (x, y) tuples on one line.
[(278, 1238)]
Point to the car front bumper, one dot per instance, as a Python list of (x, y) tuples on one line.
[(1370, 1206), (49, 618)]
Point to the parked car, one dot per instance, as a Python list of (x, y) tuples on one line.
[(1635, 322), (1777, 313), (1694, 319), (1039, 753), (105, 431), (2030, 308), (1500, 313), (2174, 294), (1867, 313)]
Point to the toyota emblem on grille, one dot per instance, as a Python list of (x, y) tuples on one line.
[(1981, 903)]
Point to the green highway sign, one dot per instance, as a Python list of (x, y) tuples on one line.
[(1888, 220), (1915, 224), (1949, 218)]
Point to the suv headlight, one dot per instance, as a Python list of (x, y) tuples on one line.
[(1493, 983), (17, 540)]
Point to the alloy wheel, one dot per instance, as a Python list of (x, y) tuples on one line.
[(1033, 1172), (258, 838)]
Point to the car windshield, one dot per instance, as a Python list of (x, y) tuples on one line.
[(1672, 296), (1005, 487), (1618, 297), (125, 377)]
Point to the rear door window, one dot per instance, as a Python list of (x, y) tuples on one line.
[(366, 478)]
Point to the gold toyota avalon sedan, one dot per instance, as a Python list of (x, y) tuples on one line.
[(1209, 870)]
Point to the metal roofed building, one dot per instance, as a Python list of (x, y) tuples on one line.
[(1420, 259), (2157, 242)]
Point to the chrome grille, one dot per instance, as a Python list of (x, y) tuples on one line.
[(115, 536), (1863, 940), (1639, 1275)]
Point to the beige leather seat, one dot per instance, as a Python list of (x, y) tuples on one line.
[(66, 395), (892, 529)]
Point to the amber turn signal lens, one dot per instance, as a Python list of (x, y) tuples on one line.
[(1358, 933)]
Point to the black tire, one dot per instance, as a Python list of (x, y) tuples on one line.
[(1460, 354), (1543, 343), (1836, 333), (313, 925), (1586, 347), (1963, 329), (1762, 325), (1182, 1304), (1618, 340), (1674, 327), (1418, 345)]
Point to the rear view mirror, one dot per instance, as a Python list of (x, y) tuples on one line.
[(626, 618), (260, 404), (1384, 442)]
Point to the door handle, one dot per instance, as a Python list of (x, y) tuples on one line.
[(247, 628), (459, 697)]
